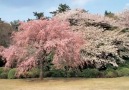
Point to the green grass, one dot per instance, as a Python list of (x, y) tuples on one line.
[(66, 84)]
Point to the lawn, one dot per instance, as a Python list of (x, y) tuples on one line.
[(66, 84)]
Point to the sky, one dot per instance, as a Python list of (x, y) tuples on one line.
[(11, 10)]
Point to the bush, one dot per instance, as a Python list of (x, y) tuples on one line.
[(123, 71), (4, 74), (11, 74), (56, 73), (110, 73), (1, 69), (125, 65), (90, 73), (62, 73), (102, 74), (33, 73), (73, 73)]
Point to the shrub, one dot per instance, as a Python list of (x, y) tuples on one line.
[(56, 73), (4, 74), (123, 71), (90, 73), (73, 73), (11, 74), (1, 70), (62, 73), (126, 65), (102, 74), (110, 73), (33, 73)]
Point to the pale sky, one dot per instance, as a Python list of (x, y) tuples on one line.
[(23, 9)]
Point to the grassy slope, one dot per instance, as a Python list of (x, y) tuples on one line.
[(66, 84)]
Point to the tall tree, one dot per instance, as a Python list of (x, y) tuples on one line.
[(15, 24), (38, 15), (36, 39), (5, 34), (110, 14), (61, 8), (124, 18), (1, 21)]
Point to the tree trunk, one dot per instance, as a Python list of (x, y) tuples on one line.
[(42, 62), (41, 69)]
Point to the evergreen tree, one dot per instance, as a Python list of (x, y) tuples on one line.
[(61, 8), (38, 15)]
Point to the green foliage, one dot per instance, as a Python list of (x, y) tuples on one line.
[(86, 73), (110, 67), (90, 73), (61, 8), (110, 15), (62, 73), (4, 74), (1, 69), (11, 73), (110, 73), (1, 21), (48, 63), (123, 71), (124, 65), (102, 74), (124, 53), (38, 15), (73, 73), (56, 73), (33, 73)]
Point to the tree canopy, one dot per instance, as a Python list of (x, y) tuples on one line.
[(38, 15), (61, 8), (36, 39)]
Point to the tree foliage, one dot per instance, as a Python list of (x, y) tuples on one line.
[(1, 21), (110, 14), (105, 38), (38, 15), (124, 18), (42, 43), (5, 33), (61, 8), (36, 39), (15, 24)]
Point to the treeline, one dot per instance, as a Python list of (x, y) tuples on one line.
[(72, 43)]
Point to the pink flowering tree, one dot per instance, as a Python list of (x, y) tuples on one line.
[(36, 39)]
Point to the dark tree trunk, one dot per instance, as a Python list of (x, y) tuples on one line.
[(42, 62), (41, 69)]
